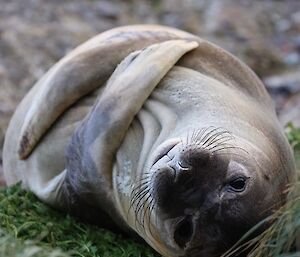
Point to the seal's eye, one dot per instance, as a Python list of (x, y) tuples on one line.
[(238, 184)]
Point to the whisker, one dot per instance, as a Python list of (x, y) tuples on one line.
[(192, 137), (220, 140), (187, 136), (140, 186), (151, 206), (138, 194), (219, 143), (207, 136), (213, 137), (229, 147), (145, 211), (132, 203), (139, 206), (200, 134)]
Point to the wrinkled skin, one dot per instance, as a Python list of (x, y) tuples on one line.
[(188, 156)]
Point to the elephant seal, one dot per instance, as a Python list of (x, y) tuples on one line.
[(157, 132)]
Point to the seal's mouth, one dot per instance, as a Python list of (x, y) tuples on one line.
[(183, 231)]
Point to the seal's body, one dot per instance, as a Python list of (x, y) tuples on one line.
[(188, 156)]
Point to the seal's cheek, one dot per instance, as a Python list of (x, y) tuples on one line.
[(239, 214)]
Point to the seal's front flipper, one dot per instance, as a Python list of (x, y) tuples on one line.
[(80, 73), (139, 73), (94, 144), (127, 90)]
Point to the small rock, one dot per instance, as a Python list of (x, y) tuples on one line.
[(281, 88), (283, 25), (296, 17), (292, 59), (287, 82), (297, 43), (108, 9)]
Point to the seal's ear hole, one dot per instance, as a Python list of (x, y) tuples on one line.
[(183, 232)]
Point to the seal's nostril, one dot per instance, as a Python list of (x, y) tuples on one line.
[(183, 232)]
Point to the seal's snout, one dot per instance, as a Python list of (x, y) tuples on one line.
[(178, 183), (192, 159), (186, 192)]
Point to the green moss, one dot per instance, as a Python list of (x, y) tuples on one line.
[(30, 228)]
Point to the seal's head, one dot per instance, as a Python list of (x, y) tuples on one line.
[(203, 192)]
